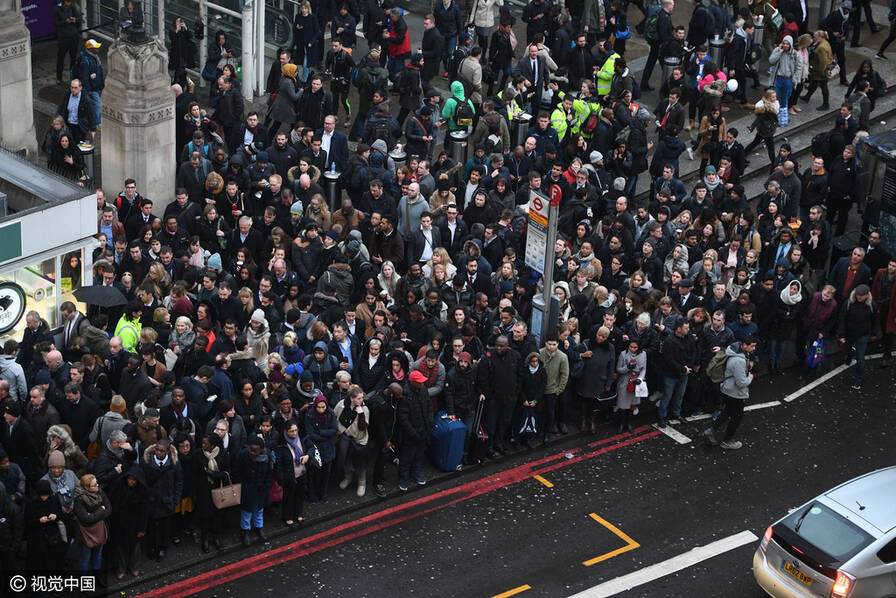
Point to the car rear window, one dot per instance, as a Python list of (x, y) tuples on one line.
[(828, 531)]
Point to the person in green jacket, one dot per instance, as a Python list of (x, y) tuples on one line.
[(556, 366), (128, 328), (605, 75), (457, 95)]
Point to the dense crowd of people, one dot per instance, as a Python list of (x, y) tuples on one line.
[(271, 341)]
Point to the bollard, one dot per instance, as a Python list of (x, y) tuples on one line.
[(670, 63), (458, 149), (519, 129), (334, 193), (399, 156), (716, 49)]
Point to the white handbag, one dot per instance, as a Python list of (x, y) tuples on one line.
[(641, 389)]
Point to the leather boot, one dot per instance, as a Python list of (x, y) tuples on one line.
[(621, 419), (245, 539), (216, 542), (628, 423), (584, 425), (261, 535), (204, 542)]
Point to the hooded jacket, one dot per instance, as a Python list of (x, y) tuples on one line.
[(457, 95), (737, 375), (165, 482)]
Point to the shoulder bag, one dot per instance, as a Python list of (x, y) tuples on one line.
[(94, 535), (227, 496)]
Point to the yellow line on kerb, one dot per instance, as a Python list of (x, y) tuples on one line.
[(543, 481), (513, 592), (629, 543)]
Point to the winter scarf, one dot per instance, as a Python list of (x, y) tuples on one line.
[(211, 456), (296, 448)]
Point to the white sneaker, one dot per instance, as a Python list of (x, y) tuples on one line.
[(344, 483), (691, 154), (362, 488), (731, 445)]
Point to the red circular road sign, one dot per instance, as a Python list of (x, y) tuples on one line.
[(556, 194), (537, 204)]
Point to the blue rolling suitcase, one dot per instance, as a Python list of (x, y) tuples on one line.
[(447, 446)]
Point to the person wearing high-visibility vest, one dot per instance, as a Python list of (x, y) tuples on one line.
[(605, 75), (128, 328), (581, 106), (562, 116)]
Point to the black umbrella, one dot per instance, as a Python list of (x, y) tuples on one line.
[(100, 296)]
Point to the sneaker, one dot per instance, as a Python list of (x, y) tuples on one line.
[(420, 481), (362, 489), (731, 445), (635, 411), (347, 123), (710, 436), (856, 385), (344, 483), (880, 56), (403, 486), (381, 490), (691, 154)]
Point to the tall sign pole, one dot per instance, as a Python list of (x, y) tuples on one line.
[(548, 281)]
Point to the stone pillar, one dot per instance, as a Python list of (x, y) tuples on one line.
[(138, 138), (16, 112)]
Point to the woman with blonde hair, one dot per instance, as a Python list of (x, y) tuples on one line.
[(160, 278), (440, 256), (247, 306), (319, 212), (182, 336), (388, 279)]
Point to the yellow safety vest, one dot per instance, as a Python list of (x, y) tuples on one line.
[(605, 75)]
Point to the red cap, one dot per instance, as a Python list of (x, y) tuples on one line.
[(418, 376)]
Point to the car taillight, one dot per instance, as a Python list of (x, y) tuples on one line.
[(766, 538), (842, 585)]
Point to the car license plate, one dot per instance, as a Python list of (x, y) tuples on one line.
[(799, 575)]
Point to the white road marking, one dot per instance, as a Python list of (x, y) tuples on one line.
[(667, 567), (673, 434), (762, 405), (818, 382)]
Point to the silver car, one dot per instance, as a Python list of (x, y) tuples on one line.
[(841, 544)]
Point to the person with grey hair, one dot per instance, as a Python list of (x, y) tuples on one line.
[(114, 459)]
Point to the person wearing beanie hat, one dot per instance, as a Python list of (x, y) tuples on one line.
[(416, 421), (214, 262), (55, 459)]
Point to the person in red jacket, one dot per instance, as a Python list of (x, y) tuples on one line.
[(399, 39)]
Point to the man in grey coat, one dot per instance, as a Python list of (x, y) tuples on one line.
[(735, 391)]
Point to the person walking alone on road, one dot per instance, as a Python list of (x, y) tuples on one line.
[(735, 391), (859, 324)]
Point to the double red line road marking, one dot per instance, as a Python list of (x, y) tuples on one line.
[(397, 514)]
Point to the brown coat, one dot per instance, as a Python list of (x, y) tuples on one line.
[(820, 60), (707, 135)]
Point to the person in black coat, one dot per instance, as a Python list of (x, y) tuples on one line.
[(415, 420), (432, 48), (419, 133), (17, 437), (498, 381), (11, 528), (127, 524), (46, 546), (81, 109), (410, 87), (291, 458), (164, 479), (67, 19), (212, 470), (253, 470)]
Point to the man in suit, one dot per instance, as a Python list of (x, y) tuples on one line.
[(478, 283), (139, 219), (72, 322), (733, 148), (191, 176), (452, 231), (229, 110), (534, 69), (671, 116), (423, 240), (333, 143), (77, 111), (246, 236), (683, 298)]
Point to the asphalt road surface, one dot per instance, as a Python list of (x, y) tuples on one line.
[(600, 512)]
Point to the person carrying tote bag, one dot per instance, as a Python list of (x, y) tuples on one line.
[(92, 508)]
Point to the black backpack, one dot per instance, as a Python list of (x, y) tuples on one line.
[(821, 145), (463, 112), (454, 62), (382, 130)]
